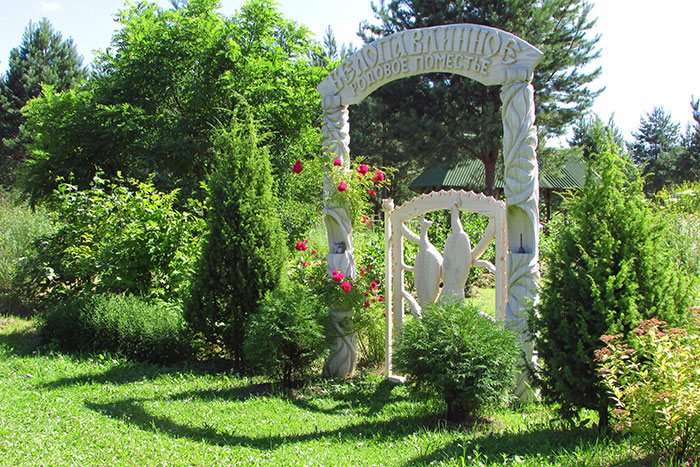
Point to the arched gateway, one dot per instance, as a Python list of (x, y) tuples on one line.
[(487, 55)]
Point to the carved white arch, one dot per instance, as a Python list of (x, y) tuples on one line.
[(492, 57)]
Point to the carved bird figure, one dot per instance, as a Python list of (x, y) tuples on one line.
[(428, 267), (458, 258)]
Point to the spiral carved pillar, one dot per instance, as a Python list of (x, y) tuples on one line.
[(336, 135), (522, 201)]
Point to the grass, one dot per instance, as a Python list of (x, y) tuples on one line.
[(60, 409), (484, 298)]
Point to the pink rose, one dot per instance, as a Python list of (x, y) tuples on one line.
[(342, 186), (337, 275), (378, 176), (313, 252), (366, 304), (346, 286), (301, 246), (337, 162), (381, 299), (297, 167), (362, 169), (371, 192)]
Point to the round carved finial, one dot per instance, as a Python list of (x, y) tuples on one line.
[(387, 205)]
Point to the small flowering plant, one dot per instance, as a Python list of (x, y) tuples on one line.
[(356, 186), (338, 291), (654, 381), (364, 295)]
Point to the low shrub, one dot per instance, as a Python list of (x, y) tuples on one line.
[(125, 325), (285, 338), (467, 358), (655, 385)]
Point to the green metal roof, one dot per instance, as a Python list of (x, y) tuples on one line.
[(470, 175)]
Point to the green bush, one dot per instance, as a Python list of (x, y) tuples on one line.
[(245, 248), (609, 269), (655, 385), (20, 226), (124, 325), (286, 336), (119, 237), (465, 357)]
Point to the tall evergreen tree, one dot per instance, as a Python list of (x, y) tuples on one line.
[(611, 267), (43, 57), (657, 134), (245, 247), (659, 152), (440, 117)]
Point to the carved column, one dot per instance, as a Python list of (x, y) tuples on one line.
[(336, 133), (522, 200)]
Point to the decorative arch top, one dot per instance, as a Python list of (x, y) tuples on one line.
[(485, 54)]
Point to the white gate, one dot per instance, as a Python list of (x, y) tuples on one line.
[(451, 268)]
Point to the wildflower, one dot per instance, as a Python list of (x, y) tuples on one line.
[(371, 192), (362, 169), (346, 286), (301, 246), (342, 186), (297, 167), (337, 162), (378, 176)]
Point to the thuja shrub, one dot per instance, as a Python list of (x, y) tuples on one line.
[(285, 337), (121, 324), (460, 354), (608, 270), (244, 248), (655, 384)]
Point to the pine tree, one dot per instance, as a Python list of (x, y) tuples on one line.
[(442, 118), (43, 57), (245, 247), (610, 268)]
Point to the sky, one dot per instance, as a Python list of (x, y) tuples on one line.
[(648, 49)]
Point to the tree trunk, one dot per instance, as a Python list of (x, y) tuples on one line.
[(489, 160)]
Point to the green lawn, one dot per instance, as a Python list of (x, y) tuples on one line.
[(60, 409)]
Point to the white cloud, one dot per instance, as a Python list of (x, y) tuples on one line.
[(50, 6)]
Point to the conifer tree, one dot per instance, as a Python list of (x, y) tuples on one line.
[(442, 118), (610, 268), (43, 57), (244, 250)]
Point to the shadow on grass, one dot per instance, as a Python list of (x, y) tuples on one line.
[(129, 371), (369, 399), (131, 411), (540, 442)]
